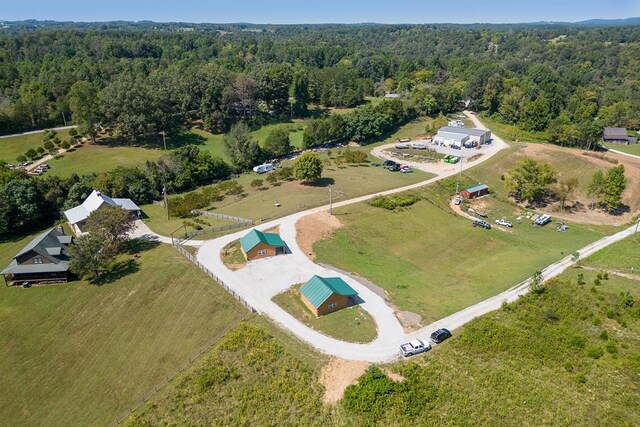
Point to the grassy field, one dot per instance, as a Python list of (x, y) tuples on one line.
[(623, 256), (10, 148), (250, 378), (568, 356), (512, 133), (631, 149), (80, 354), (350, 324), (156, 219)]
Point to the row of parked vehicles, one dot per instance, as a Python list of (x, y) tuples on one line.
[(420, 346), (396, 167), (39, 170)]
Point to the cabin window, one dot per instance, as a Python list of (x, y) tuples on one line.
[(332, 305), (262, 252), (37, 260)]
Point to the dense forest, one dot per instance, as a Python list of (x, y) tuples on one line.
[(133, 80), (144, 78)]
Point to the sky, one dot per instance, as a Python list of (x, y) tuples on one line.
[(320, 11)]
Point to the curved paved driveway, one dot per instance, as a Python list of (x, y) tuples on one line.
[(260, 280)]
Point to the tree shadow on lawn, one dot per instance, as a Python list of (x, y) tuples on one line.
[(322, 182), (116, 271), (153, 141), (137, 246)]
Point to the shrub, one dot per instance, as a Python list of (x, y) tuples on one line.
[(21, 158), (40, 150), (604, 335), (212, 194), (31, 153), (568, 366), (73, 132), (595, 352), (395, 201), (611, 347), (272, 178), (48, 145), (581, 378), (597, 321), (581, 279), (551, 315), (65, 145), (605, 276), (48, 134), (257, 183), (56, 140), (354, 156)]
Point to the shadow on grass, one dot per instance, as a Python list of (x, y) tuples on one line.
[(117, 271), (322, 182), (153, 141), (136, 246)]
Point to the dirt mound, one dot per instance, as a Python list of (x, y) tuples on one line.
[(339, 374), (313, 228)]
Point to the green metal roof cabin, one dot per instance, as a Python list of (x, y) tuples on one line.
[(477, 190), (325, 294), (257, 244)]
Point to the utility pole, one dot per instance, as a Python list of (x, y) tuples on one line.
[(164, 140), (330, 201), (166, 200), (63, 118), (459, 175)]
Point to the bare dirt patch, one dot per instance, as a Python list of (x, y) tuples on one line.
[(393, 376), (339, 374), (313, 228)]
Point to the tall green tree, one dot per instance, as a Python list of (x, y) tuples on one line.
[(529, 180), (85, 107), (243, 151), (300, 91), (278, 142), (307, 168), (113, 224)]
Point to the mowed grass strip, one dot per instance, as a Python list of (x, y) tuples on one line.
[(10, 148), (630, 149), (79, 354), (433, 262), (349, 324)]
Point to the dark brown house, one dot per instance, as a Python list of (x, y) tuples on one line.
[(44, 260), (618, 136)]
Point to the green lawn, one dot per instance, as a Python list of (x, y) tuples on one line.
[(569, 356), (631, 149), (623, 256), (350, 324), (232, 255), (79, 354), (512, 133), (156, 220), (433, 262), (10, 148)]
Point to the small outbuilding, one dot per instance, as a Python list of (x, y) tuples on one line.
[(475, 191), (257, 244), (324, 295), (618, 136)]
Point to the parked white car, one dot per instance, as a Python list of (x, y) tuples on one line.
[(504, 222), (267, 167), (414, 347)]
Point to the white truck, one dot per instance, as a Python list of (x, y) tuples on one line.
[(542, 220), (414, 347), (267, 167)]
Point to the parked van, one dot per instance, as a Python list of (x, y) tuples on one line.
[(267, 167), (419, 146), (542, 220)]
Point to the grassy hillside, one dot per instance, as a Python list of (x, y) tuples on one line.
[(78, 354), (10, 148), (568, 356), (249, 378)]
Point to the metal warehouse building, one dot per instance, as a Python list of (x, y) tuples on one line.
[(462, 137)]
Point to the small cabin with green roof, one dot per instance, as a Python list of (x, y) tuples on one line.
[(257, 244), (324, 295)]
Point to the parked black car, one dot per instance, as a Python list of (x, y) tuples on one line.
[(388, 163), (394, 167), (482, 224), (440, 335)]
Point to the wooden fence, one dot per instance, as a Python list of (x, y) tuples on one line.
[(194, 260), (223, 216)]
